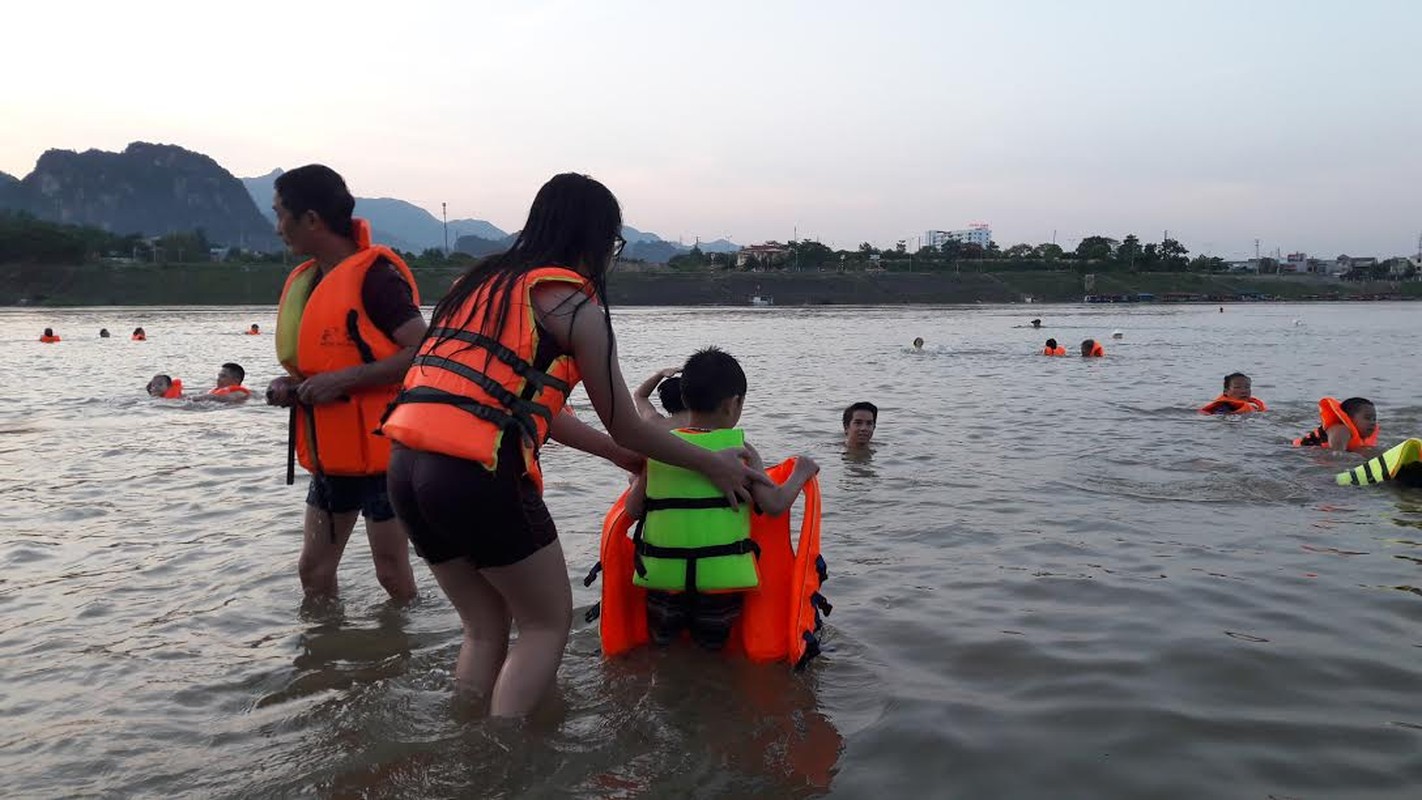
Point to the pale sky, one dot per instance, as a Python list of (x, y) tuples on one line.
[(1298, 123)]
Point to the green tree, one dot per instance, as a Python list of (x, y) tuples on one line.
[(1048, 251), (1173, 255), (1019, 251), (1095, 248), (1129, 253)]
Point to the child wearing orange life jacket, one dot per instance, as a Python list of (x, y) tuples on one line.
[(1090, 348), (1350, 425), (48, 337), (1053, 349), (1236, 398), (714, 388), (165, 387), (139, 335), (229, 387)]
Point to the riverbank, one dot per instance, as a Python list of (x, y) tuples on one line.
[(238, 284)]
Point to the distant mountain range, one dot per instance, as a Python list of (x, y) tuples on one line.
[(157, 189), (150, 189)]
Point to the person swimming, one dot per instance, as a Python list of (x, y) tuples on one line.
[(1036, 323), (918, 343)]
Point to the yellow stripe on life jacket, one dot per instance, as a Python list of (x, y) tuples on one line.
[(1383, 468)]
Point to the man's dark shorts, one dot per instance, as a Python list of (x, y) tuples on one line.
[(341, 494)]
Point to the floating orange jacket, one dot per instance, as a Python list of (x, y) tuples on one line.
[(781, 619), (335, 333), (1054, 351), (1330, 413), (222, 390), (465, 391), (1229, 405), (175, 390)]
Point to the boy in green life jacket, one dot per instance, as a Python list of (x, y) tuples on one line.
[(694, 553)]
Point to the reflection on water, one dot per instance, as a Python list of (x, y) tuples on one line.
[(1051, 577)]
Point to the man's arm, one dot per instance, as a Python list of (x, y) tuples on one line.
[(331, 386)]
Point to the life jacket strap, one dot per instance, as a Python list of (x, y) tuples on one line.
[(367, 356), (680, 503), (515, 404), (593, 612), (503, 353), (497, 416), (690, 555)]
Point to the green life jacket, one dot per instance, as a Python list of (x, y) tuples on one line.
[(689, 539)]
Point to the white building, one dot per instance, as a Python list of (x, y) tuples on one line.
[(979, 233)]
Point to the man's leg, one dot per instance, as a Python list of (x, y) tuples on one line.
[(320, 553), (389, 542)]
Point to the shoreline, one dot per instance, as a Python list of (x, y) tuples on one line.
[(260, 284)]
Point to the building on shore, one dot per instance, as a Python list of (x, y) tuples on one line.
[(764, 254), (979, 233)]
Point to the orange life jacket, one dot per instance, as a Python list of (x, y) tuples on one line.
[(1229, 405), (175, 390), (251, 332), (222, 390), (781, 618), (49, 339), (1097, 351), (1330, 413), (335, 333), (465, 391), (1054, 351), (138, 337)]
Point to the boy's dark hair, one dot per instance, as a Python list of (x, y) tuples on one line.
[(168, 378), (861, 406), (709, 377), (236, 369), (1052, 343), (669, 391), (49, 331), (1354, 403), (1232, 376), (318, 188), (1087, 345)]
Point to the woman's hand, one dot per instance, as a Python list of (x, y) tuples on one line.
[(728, 471)]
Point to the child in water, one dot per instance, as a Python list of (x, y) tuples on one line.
[(714, 388), (1236, 398), (1053, 349), (1091, 348), (166, 387), (1350, 425)]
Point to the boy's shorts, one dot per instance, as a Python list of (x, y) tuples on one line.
[(708, 616)]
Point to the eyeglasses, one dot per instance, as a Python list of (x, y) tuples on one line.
[(617, 244)]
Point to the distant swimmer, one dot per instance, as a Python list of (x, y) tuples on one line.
[(139, 335), (1236, 398), (668, 388), (254, 330), (103, 333), (860, 420), (1036, 323), (165, 387), (48, 337), (229, 388), (1091, 348), (918, 343), (1117, 335), (1053, 349), (1349, 425), (1221, 309)]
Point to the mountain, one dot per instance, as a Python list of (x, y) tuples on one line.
[(641, 246), (149, 189), (397, 223), (9, 187)]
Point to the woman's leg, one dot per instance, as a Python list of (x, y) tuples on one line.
[(486, 625), (537, 593)]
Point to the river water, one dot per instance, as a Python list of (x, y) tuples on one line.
[(1051, 579)]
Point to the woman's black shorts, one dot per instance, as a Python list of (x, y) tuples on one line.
[(455, 508)]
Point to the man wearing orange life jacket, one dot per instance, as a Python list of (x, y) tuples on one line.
[(1350, 425), (1236, 398), (49, 336), (229, 388), (1053, 349), (1090, 348), (346, 351)]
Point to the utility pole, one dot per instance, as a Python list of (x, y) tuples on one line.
[(444, 212), (1256, 249)]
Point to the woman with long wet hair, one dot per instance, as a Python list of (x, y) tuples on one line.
[(488, 387)]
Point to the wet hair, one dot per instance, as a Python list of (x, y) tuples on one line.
[(236, 369), (1354, 404), (1232, 376), (103, 333), (669, 391), (860, 406), (573, 222), (319, 189), (49, 331), (709, 377), (1052, 343), (918, 341), (138, 330), (1087, 345), (254, 327)]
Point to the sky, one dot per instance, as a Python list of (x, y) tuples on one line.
[(1297, 123)]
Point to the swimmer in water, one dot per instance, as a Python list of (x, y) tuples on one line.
[(918, 343), (860, 420), (1036, 323)]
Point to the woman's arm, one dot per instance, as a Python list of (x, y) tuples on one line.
[(573, 432)]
